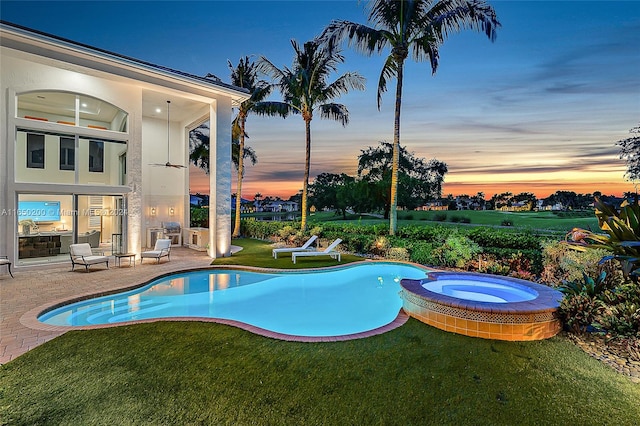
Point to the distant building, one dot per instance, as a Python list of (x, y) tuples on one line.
[(433, 205), (276, 206)]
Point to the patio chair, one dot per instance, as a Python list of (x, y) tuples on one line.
[(305, 247), (329, 251), (81, 254), (4, 260), (161, 249)]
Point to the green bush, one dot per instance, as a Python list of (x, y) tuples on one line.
[(580, 311), (420, 252), (439, 217), (261, 230), (199, 217), (456, 251), (562, 263), (622, 314), (460, 219)]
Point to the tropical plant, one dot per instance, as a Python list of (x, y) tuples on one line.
[(562, 263), (410, 27), (305, 88), (245, 75), (621, 238)]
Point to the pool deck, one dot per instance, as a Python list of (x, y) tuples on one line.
[(34, 288), (37, 286)]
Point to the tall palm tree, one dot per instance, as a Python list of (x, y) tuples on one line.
[(305, 88), (410, 27), (245, 75)]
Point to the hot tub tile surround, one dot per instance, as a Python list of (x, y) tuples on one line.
[(515, 321)]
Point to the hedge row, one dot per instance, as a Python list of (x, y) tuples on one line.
[(423, 243)]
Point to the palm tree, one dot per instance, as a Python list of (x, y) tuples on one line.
[(305, 88), (199, 149), (410, 27), (245, 75)]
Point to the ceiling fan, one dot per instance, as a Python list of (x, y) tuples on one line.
[(168, 163)]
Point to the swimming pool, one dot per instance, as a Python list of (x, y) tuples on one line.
[(332, 302)]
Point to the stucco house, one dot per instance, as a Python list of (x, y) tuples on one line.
[(94, 142)]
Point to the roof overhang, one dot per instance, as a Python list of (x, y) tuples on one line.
[(37, 43)]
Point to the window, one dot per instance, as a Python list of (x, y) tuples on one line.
[(96, 156), (35, 151), (67, 153), (66, 108)]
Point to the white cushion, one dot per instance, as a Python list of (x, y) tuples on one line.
[(81, 249)]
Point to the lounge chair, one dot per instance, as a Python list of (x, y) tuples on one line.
[(81, 254), (4, 260), (161, 249), (305, 247), (329, 251)]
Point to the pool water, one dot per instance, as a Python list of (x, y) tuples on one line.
[(485, 290), (333, 302)]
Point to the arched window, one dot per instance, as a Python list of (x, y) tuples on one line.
[(72, 109)]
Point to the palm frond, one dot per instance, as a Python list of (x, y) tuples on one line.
[(365, 39), (344, 83), (273, 108), (389, 70), (337, 112)]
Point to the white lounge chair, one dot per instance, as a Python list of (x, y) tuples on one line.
[(329, 251), (81, 254), (305, 247), (161, 249), (4, 260)]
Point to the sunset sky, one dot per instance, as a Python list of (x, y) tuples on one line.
[(539, 110)]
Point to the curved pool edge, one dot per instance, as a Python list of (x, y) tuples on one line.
[(30, 318), (515, 321)]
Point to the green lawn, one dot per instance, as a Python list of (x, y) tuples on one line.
[(532, 220), (187, 373)]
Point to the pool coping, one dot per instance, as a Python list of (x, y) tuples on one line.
[(30, 318), (548, 299)]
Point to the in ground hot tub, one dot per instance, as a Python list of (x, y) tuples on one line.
[(482, 305)]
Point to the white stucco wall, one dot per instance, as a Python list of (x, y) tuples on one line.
[(62, 66)]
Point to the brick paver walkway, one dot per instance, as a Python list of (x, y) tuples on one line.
[(35, 288)]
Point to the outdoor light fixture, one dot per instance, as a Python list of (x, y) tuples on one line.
[(153, 211), (171, 211)]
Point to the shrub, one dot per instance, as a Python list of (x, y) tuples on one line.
[(440, 217), (398, 253), (622, 315), (488, 263), (582, 306), (579, 312), (460, 219), (563, 263), (380, 246), (621, 238), (420, 252), (199, 217), (456, 251)]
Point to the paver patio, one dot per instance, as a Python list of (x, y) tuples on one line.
[(38, 286)]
